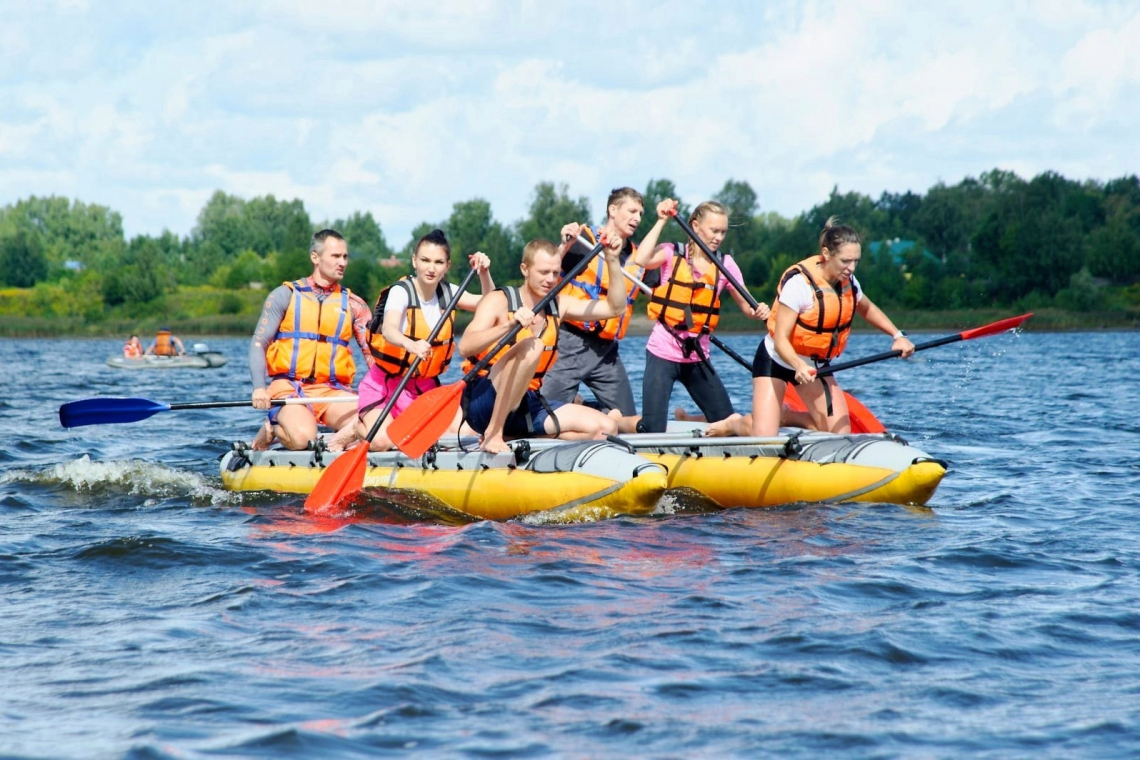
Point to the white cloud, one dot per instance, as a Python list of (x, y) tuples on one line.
[(403, 110)]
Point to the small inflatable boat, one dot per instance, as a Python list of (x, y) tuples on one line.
[(200, 358)]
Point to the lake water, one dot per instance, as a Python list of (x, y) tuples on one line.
[(147, 613)]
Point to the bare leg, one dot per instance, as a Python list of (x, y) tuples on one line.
[(511, 375), (680, 414), (767, 402), (581, 423), (816, 402)]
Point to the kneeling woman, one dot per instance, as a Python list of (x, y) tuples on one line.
[(816, 301), (405, 314), (686, 309)]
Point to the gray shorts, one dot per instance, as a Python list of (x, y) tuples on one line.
[(585, 359)]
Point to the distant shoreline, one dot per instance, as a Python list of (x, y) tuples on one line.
[(732, 322)]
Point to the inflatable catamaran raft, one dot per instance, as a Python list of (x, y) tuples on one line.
[(626, 475)]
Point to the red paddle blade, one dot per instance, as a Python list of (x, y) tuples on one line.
[(421, 424), (996, 327), (862, 420), (341, 480)]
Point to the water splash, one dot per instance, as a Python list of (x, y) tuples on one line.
[(130, 476)]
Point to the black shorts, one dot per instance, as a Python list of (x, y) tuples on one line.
[(763, 365)]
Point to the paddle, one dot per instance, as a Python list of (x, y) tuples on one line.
[(978, 332), (420, 426), (107, 411), (345, 476), (714, 258)]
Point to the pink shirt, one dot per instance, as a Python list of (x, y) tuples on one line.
[(662, 342)]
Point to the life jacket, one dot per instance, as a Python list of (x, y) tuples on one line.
[(132, 350), (683, 302), (395, 360), (163, 346), (594, 283), (313, 343), (549, 339), (820, 332)]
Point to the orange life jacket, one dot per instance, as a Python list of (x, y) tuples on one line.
[(549, 339), (594, 283), (395, 360), (820, 332), (163, 346), (313, 343), (685, 303), (132, 350)]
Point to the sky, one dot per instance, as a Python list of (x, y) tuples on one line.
[(403, 109)]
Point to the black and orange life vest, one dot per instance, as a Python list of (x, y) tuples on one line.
[(686, 303), (313, 343), (820, 332), (594, 284), (549, 339), (163, 345), (395, 360)]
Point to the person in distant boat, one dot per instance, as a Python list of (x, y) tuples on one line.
[(303, 342), (504, 399), (685, 307), (588, 349), (816, 301), (166, 344), (405, 314), (133, 348)]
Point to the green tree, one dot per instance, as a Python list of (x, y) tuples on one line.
[(550, 208), (22, 259), (364, 236), (471, 228), (656, 191)]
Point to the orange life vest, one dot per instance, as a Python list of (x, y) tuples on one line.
[(685, 303), (549, 339), (132, 350), (395, 360), (163, 346), (594, 283), (820, 332), (313, 343)]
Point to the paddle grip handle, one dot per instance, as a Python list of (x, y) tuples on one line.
[(538, 307), (716, 260), (728, 350), (416, 362)]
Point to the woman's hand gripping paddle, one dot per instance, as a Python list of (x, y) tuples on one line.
[(421, 425), (345, 476), (978, 332)]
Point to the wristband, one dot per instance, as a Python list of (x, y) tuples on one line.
[(897, 335)]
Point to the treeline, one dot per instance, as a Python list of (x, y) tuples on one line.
[(995, 240)]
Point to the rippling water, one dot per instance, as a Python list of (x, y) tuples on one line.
[(147, 613)]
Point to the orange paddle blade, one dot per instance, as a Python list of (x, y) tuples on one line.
[(421, 424), (862, 420), (341, 480)]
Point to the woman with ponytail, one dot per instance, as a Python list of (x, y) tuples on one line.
[(816, 301)]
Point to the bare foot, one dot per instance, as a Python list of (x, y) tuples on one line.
[(723, 427), (680, 414), (343, 439), (494, 445), (264, 438)]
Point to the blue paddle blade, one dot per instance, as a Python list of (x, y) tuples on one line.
[(104, 411)]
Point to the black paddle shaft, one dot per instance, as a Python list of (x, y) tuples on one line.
[(538, 307), (715, 260), (831, 369), (416, 362)]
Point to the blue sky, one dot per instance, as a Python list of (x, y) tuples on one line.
[(404, 110)]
